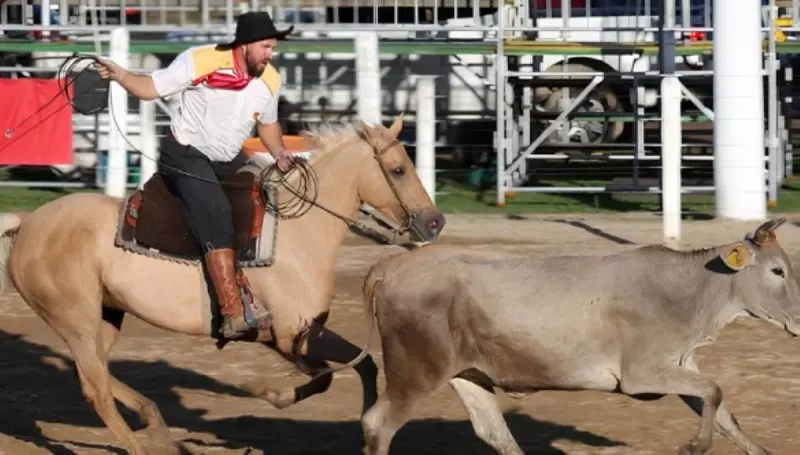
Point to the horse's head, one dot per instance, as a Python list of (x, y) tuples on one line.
[(390, 184)]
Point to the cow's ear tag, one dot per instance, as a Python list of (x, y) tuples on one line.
[(737, 257)]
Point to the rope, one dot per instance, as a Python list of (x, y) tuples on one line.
[(64, 87), (302, 198)]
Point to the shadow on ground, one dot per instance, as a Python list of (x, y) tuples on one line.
[(39, 386)]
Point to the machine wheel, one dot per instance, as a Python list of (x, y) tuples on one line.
[(582, 131)]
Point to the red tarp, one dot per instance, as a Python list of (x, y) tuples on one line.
[(28, 137)]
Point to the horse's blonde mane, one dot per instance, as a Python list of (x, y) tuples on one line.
[(325, 136)]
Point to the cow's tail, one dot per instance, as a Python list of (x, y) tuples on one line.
[(371, 283), (9, 225)]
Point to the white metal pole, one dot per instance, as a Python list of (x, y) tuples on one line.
[(117, 163), (795, 12), (368, 77), (426, 133), (148, 162), (500, 105), (3, 16), (63, 12), (205, 16), (783, 144), (229, 17), (686, 13), (739, 173), (671, 133), (44, 18), (788, 166), (671, 157), (772, 109)]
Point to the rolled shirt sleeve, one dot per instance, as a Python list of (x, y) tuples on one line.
[(270, 112), (175, 77)]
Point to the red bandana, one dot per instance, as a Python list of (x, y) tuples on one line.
[(225, 81)]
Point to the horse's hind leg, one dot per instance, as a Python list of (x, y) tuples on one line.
[(146, 409), (80, 333), (281, 398), (326, 345)]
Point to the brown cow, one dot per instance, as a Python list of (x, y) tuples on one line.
[(627, 322)]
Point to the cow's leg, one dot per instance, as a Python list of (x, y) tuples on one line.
[(322, 345), (393, 410), (411, 375), (487, 419), (381, 422), (641, 377), (726, 422), (728, 426)]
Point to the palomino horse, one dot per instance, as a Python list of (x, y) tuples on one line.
[(63, 261)]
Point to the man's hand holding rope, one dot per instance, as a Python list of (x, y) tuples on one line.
[(138, 85), (284, 160), (272, 137), (108, 69)]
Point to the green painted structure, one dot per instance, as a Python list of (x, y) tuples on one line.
[(394, 47)]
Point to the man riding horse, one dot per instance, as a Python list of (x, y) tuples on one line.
[(224, 91)]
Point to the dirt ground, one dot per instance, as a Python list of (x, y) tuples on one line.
[(42, 410)]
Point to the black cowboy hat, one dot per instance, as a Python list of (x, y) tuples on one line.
[(255, 26)]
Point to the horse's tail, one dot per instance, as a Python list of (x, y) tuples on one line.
[(9, 225), (373, 279)]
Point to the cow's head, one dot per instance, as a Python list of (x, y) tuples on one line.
[(764, 280)]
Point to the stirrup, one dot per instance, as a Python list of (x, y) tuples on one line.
[(255, 316), (235, 327)]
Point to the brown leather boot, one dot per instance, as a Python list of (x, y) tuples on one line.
[(229, 284)]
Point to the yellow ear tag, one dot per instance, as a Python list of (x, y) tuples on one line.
[(733, 258)]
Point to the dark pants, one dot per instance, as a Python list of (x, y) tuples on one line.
[(205, 205)]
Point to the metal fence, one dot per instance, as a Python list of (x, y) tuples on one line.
[(455, 40), (204, 15)]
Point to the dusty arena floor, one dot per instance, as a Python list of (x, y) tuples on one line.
[(42, 410)]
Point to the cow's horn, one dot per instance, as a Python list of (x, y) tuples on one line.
[(767, 230)]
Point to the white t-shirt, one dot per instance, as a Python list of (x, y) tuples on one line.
[(216, 121)]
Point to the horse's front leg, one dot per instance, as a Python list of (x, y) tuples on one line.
[(326, 345), (311, 351)]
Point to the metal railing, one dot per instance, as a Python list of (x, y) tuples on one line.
[(218, 15), (538, 21)]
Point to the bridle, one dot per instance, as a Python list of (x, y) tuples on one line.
[(355, 226), (264, 177)]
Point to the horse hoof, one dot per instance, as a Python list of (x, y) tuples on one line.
[(164, 448), (279, 399), (255, 388), (159, 442)]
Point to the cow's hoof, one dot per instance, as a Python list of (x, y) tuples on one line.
[(693, 448), (759, 451)]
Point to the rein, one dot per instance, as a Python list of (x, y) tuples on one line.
[(67, 68), (354, 225)]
